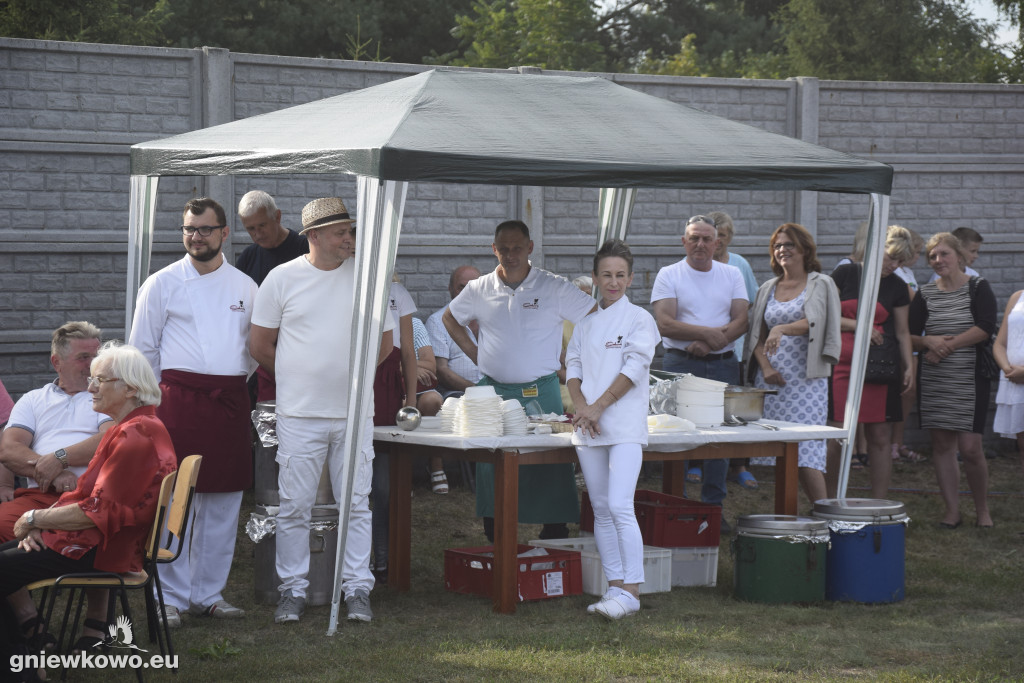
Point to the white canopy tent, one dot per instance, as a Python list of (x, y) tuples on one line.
[(507, 129)]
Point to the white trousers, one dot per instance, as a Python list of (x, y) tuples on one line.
[(611, 473), (303, 445), (200, 573)]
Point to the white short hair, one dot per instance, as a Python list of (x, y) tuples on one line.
[(129, 365)]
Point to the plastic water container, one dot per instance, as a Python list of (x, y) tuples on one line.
[(866, 562)]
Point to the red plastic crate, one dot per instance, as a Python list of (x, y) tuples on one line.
[(668, 521), (471, 571)]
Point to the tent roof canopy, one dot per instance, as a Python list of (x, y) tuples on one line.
[(511, 129)]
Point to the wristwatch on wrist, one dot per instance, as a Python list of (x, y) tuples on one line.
[(62, 455), (31, 518)]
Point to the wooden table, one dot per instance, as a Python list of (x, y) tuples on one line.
[(507, 454)]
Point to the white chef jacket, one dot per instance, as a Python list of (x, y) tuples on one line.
[(616, 340), (196, 323), (520, 335)]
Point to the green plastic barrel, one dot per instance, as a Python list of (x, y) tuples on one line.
[(780, 559)]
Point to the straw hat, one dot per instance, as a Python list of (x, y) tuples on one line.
[(322, 212)]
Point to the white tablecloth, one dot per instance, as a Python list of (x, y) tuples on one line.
[(657, 442)]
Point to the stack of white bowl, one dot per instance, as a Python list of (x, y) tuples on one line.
[(702, 401), (449, 409), (513, 418), (479, 413)]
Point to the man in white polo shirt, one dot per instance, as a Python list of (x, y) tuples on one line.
[(53, 431), (700, 305), (519, 310)]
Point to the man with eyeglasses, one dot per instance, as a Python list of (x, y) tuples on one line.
[(700, 306), (192, 324), (53, 431)]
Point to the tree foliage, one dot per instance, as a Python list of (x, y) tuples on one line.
[(895, 40), (551, 34), (125, 22), (915, 40)]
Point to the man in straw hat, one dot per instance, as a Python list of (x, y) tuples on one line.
[(192, 324), (520, 310), (302, 333)]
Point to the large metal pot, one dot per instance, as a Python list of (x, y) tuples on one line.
[(746, 403)]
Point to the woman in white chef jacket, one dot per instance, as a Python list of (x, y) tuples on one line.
[(607, 365)]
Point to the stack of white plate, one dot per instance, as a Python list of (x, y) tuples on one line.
[(449, 409), (479, 413), (513, 418), (702, 401)]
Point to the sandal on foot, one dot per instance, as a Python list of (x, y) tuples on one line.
[(910, 455), (35, 639), (87, 643), (694, 475), (439, 482), (746, 480), (860, 460)]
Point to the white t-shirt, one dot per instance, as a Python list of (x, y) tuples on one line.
[(400, 303), (616, 340), (520, 330), (196, 323), (56, 420), (702, 298), (312, 310)]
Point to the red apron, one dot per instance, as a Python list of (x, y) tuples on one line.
[(209, 415)]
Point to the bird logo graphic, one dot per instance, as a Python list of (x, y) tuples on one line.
[(120, 635)]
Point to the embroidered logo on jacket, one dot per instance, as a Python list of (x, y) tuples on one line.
[(240, 307), (617, 344), (535, 304)]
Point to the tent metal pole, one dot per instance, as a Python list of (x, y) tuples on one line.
[(141, 212), (869, 283), (380, 206)]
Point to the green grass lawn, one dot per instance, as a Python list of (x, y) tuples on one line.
[(962, 619)]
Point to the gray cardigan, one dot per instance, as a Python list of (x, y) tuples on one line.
[(821, 306)]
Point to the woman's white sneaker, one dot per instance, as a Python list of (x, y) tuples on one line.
[(622, 604)]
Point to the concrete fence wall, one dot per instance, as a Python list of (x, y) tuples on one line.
[(69, 113)]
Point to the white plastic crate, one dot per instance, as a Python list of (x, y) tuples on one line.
[(690, 567), (657, 565)]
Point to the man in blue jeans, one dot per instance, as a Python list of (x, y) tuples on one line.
[(700, 306)]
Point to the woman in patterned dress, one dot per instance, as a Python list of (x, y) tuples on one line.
[(952, 394), (1009, 354), (794, 339)]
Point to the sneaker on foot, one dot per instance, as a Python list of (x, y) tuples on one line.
[(592, 608), (220, 610), (289, 608), (359, 606), (173, 615), (623, 604)]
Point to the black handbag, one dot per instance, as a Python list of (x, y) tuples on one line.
[(883, 361)]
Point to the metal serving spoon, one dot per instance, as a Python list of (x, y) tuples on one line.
[(733, 420)]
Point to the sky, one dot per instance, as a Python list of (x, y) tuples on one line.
[(984, 9)]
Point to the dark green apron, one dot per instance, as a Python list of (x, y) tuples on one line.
[(547, 493)]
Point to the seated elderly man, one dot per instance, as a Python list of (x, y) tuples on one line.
[(103, 523), (53, 431)]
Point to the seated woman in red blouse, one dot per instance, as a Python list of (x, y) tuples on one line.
[(103, 524)]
